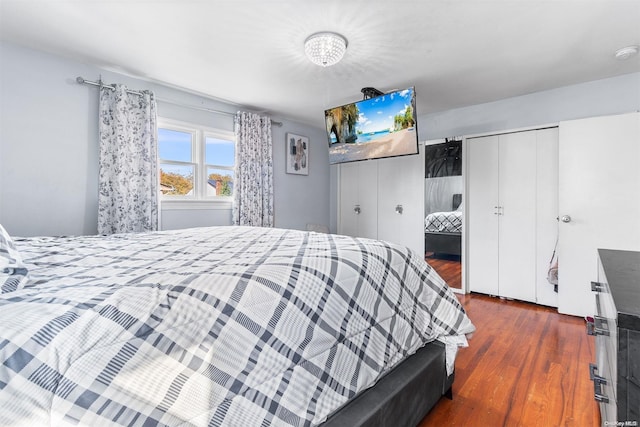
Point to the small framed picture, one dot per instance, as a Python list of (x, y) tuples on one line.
[(297, 154)]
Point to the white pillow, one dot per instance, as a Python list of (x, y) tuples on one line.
[(13, 273)]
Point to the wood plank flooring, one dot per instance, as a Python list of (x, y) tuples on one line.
[(526, 365), (449, 268)]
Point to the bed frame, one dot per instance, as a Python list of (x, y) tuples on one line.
[(445, 243), (402, 397)]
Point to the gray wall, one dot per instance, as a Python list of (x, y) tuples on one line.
[(49, 150), (597, 98)]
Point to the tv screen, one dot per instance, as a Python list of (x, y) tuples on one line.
[(383, 126)]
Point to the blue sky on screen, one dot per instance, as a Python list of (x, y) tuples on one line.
[(176, 145), (377, 114)]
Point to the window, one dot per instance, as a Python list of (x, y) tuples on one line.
[(219, 158), (196, 163)]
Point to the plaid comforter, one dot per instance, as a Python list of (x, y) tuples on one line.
[(232, 326), (444, 222)]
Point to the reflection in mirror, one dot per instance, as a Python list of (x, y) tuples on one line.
[(444, 209)]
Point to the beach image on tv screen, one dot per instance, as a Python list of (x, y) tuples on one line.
[(384, 126)]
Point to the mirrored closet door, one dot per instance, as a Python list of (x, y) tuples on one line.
[(444, 209)]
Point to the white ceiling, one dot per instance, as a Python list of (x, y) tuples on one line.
[(250, 52)]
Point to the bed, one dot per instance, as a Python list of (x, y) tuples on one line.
[(443, 230), (222, 326)]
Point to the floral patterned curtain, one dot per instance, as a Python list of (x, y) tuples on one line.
[(253, 186), (128, 183)]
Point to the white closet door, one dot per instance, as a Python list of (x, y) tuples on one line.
[(546, 212), (368, 199), (359, 199), (482, 219), (401, 183), (599, 161), (517, 224), (348, 218)]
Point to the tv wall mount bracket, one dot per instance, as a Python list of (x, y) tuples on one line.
[(370, 92)]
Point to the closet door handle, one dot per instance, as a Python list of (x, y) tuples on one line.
[(357, 209)]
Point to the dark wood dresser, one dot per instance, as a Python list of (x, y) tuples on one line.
[(616, 326)]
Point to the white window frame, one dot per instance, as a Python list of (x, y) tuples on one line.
[(199, 198)]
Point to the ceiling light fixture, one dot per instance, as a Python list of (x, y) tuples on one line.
[(325, 48), (626, 52)]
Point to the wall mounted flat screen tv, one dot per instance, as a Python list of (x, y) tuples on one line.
[(374, 128)]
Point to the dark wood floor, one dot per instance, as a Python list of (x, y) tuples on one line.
[(448, 267), (526, 365)]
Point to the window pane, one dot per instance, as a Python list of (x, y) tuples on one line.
[(219, 152), (176, 180), (219, 182), (174, 145)]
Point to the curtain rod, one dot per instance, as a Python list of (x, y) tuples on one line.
[(81, 80)]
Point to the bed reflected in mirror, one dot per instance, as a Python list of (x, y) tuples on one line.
[(444, 209)]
